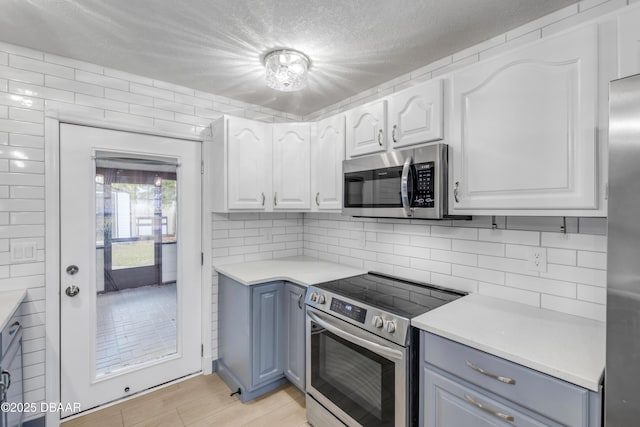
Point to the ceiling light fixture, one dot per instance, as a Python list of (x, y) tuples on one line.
[(286, 69)]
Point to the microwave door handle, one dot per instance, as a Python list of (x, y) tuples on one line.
[(404, 186), (382, 350)]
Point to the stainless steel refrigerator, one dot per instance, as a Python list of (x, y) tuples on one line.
[(622, 374)]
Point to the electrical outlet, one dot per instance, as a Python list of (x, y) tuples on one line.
[(26, 251), (537, 259)]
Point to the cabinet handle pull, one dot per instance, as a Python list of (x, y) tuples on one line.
[(263, 199), (380, 137), (7, 385), (393, 133), (493, 412), (317, 195), (16, 327), (456, 189), (300, 301), (505, 380), (275, 199)]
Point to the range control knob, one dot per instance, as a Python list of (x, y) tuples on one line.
[(314, 296), (377, 322), (390, 326), (321, 299)]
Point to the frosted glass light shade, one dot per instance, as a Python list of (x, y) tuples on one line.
[(286, 70)]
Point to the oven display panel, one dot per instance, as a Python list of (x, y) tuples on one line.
[(351, 311)]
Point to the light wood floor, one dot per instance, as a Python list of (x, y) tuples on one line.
[(201, 401)]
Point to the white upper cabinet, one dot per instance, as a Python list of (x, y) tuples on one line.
[(523, 130), (629, 36), (237, 165), (327, 154), (367, 129), (415, 115), (291, 164)]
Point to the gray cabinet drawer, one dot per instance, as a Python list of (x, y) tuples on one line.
[(10, 331), (449, 403), (563, 402)]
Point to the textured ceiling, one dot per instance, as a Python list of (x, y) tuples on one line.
[(216, 45)]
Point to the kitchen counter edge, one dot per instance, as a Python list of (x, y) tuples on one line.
[(564, 346), (9, 303), (301, 270)]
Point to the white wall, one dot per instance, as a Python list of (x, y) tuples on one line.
[(472, 257), (240, 237), (32, 82)]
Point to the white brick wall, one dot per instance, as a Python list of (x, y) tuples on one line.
[(470, 256), (241, 237), (32, 82)]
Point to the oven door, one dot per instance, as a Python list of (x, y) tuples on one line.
[(359, 377)]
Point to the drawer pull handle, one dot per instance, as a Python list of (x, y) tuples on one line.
[(479, 405), (490, 375)]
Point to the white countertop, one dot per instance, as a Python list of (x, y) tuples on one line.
[(9, 302), (567, 347), (302, 270)]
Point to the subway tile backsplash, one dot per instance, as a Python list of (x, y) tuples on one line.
[(489, 261)]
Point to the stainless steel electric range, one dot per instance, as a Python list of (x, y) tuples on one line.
[(362, 353)]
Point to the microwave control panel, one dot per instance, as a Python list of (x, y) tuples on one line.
[(424, 196)]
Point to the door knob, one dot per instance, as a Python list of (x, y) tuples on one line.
[(72, 291)]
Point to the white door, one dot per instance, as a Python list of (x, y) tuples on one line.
[(291, 162), (130, 263), (367, 128), (249, 164), (327, 154), (523, 131), (415, 114)]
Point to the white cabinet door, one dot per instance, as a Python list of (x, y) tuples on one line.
[(629, 39), (523, 129), (415, 114), (327, 154), (248, 164), (291, 165), (367, 129)]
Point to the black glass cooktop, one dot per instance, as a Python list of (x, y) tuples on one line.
[(397, 296)]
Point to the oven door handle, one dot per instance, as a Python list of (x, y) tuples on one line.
[(388, 352)]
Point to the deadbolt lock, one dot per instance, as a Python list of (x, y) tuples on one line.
[(72, 269)]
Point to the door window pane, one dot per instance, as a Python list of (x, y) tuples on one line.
[(136, 254)]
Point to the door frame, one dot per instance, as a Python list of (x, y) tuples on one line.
[(53, 119)]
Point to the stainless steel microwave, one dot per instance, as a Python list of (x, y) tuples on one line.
[(401, 184)]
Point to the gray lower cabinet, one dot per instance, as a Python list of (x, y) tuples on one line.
[(462, 386), (11, 372), (251, 344), (267, 333), (294, 366)]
